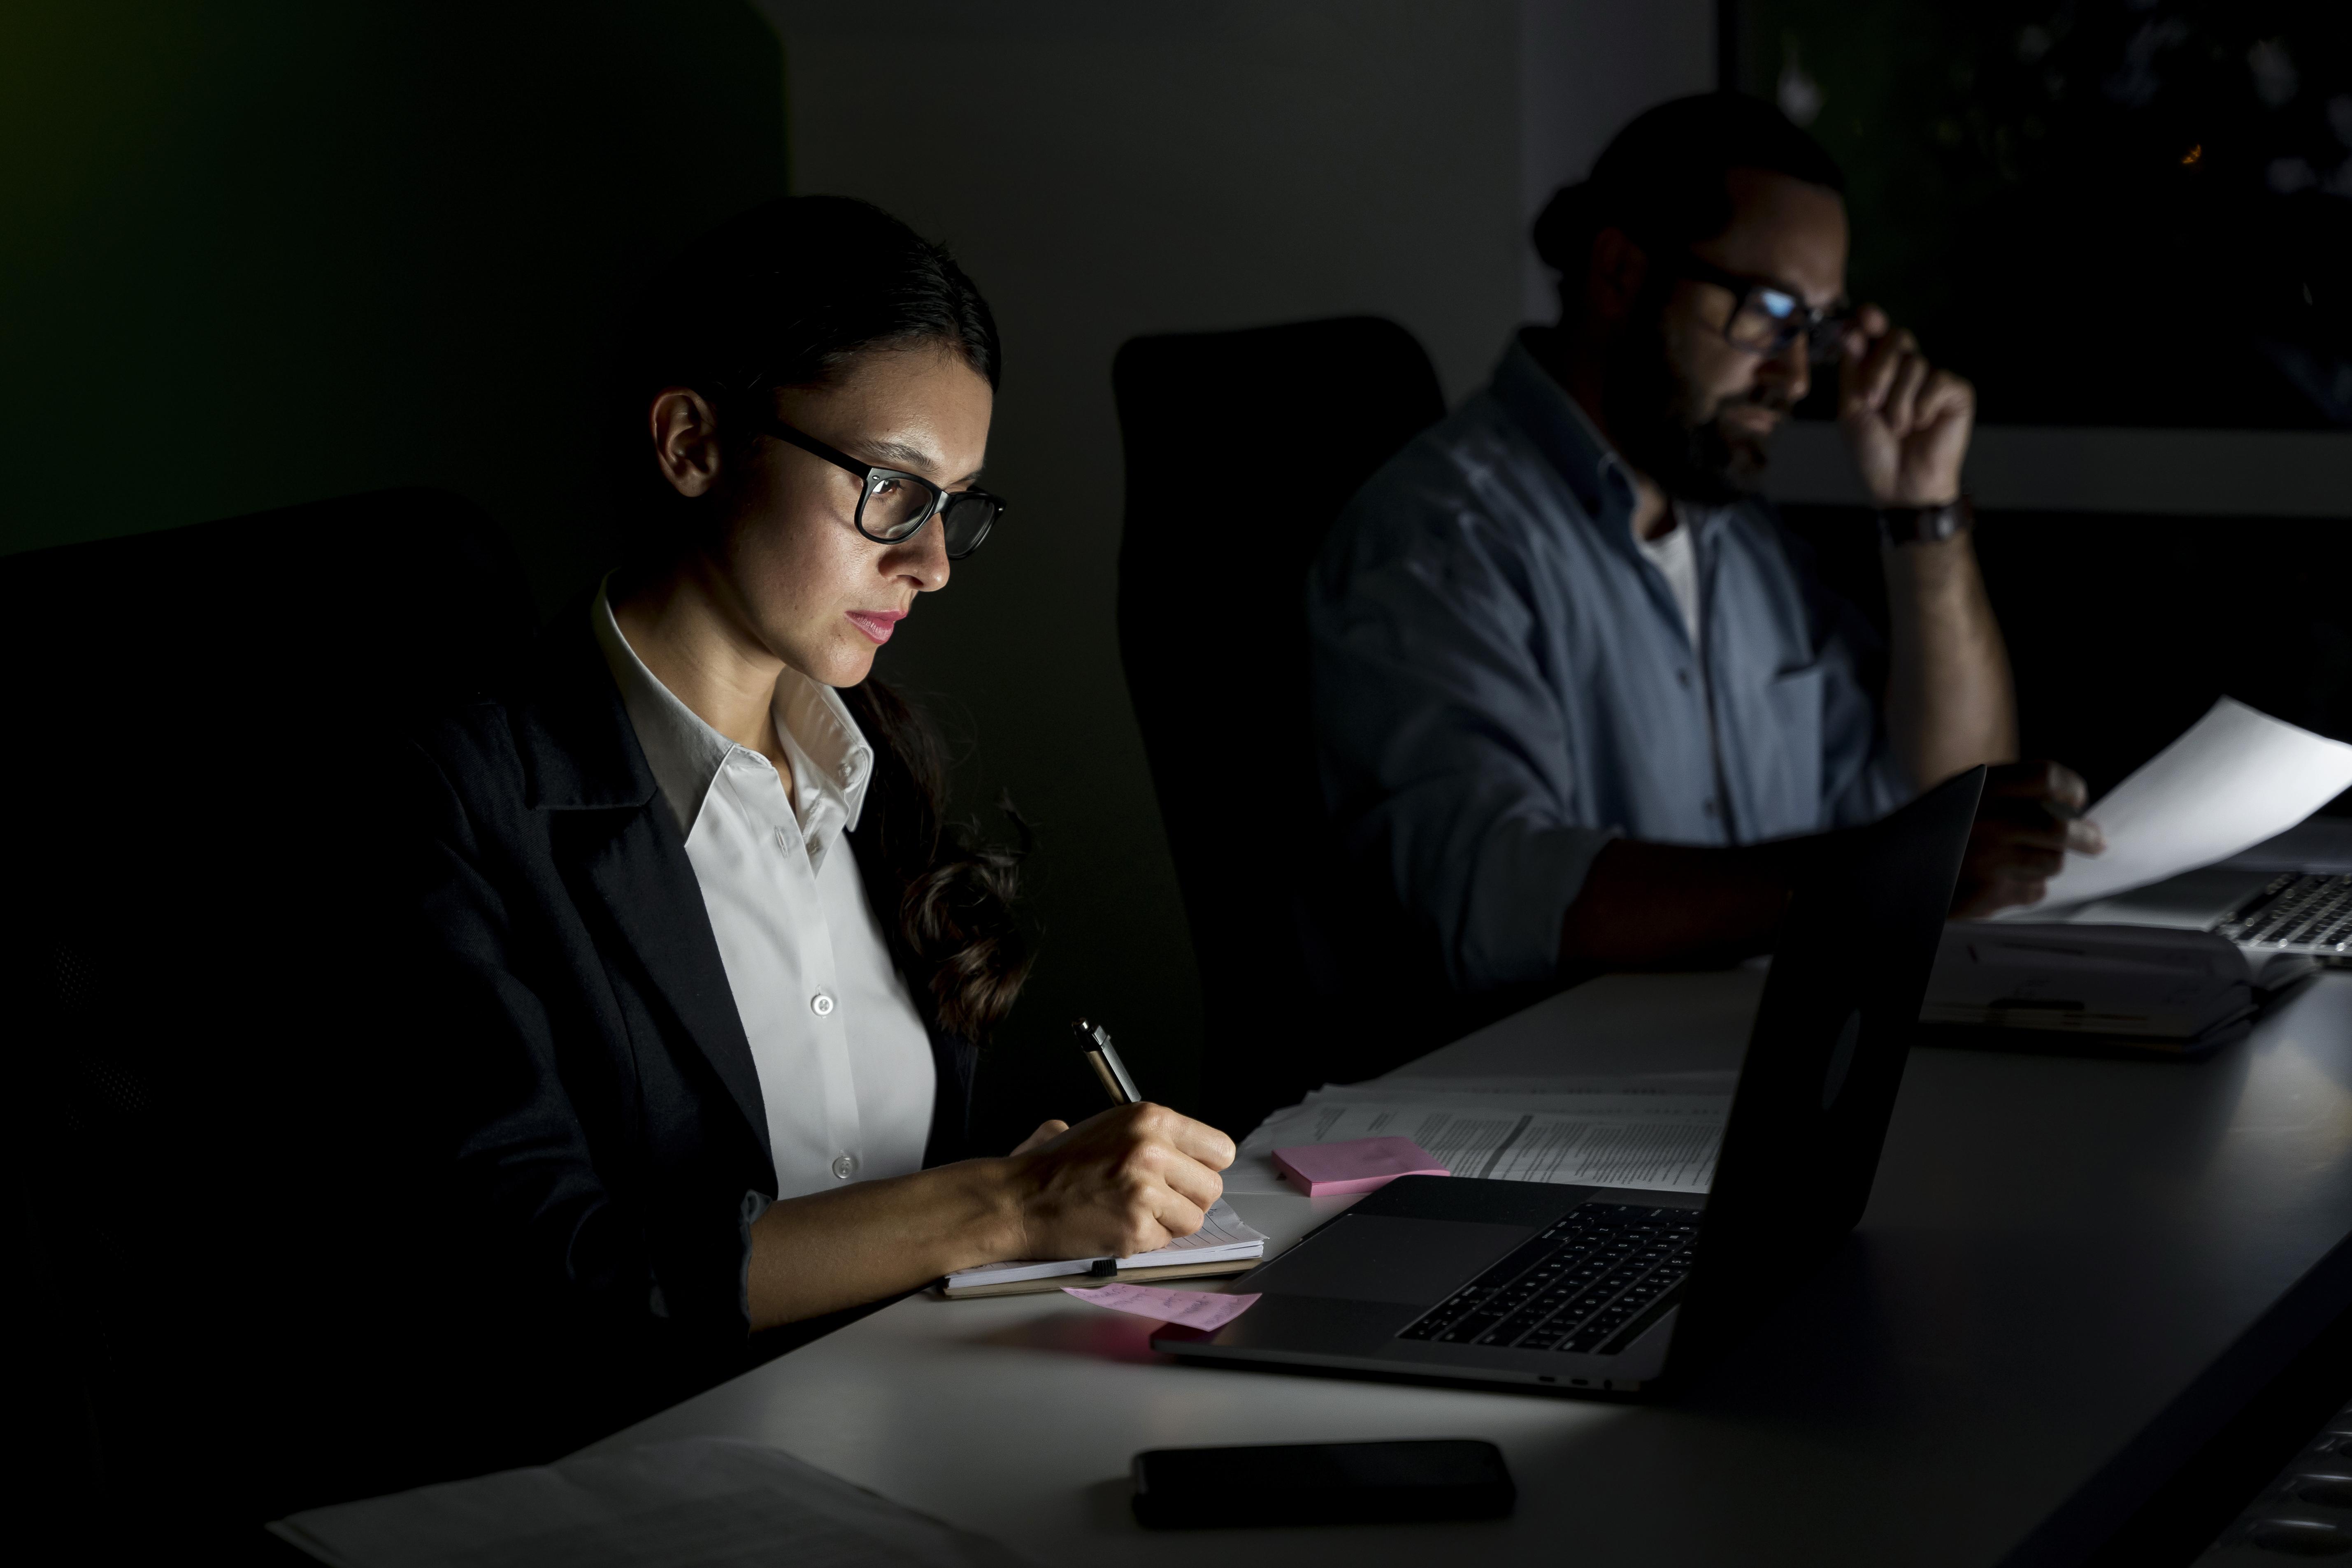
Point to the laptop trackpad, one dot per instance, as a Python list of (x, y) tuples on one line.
[(1375, 1257)]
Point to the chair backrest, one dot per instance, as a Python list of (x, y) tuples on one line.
[(192, 951), (1242, 447)]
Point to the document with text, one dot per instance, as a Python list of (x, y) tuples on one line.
[(1661, 1138), (696, 1503)]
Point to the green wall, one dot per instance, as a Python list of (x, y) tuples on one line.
[(257, 252)]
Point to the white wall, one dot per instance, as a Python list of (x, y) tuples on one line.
[(1106, 170), (1586, 67)]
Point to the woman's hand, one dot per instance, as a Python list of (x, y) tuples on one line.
[(1047, 1130), (1130, 1179)]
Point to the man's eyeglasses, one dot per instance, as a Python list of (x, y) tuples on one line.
[(893, 505), (1766, 317)]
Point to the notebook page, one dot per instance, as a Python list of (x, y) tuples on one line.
[(1223, 1236)]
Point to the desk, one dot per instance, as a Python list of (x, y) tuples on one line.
[(2071, 1273)]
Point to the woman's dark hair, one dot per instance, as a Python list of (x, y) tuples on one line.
[(957, 934), (1663, 179), (790, 294)]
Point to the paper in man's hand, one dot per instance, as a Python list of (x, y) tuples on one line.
[(2233, 779)]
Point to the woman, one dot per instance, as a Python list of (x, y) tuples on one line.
[(709, 968)]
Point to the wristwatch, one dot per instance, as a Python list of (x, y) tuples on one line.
[(1925, 525)]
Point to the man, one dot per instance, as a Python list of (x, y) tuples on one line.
[(1574, 687)]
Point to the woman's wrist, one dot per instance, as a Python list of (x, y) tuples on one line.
[(993, 1191)]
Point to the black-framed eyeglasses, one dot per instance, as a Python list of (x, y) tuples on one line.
[(893, 504), (1767, 318)]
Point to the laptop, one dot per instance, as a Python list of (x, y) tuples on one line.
[(1459, 1279)]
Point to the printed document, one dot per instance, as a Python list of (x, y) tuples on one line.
[(1603, 1138), (698, 1502), (2234, 779)]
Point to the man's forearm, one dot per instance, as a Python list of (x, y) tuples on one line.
[(1950, 703), (1670, 905)]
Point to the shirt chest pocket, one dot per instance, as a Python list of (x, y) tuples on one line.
[(1778, 764)]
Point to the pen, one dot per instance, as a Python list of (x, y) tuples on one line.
[(1101, 1056), (1095, 1041)]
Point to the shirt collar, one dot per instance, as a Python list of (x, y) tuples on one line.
[(1561, 429), (1568, 438), (832, 762)]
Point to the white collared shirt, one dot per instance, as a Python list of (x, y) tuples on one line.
[(843, 1060)]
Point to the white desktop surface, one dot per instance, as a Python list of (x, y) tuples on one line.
[(2057, 1248)]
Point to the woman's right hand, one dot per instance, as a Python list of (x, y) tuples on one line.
[(1130, 1179)]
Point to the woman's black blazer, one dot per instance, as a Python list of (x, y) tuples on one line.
[(603, 1118)]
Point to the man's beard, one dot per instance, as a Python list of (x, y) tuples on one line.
[(1663, 427)]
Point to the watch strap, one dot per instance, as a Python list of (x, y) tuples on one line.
[(1925, 525)]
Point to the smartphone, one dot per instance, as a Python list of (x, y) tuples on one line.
[(1321, 1483)]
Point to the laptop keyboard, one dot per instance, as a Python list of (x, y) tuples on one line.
[(1585, 1285), (2298, 909)]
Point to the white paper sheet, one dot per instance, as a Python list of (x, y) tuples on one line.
[(700, 1502), (2143, 982), (1223, 1237), (1194, 1308), (1592, 1137), (2235, 778)]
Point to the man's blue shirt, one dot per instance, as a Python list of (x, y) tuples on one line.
[(1503, 681)]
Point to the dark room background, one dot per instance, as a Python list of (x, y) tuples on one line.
[(255, 253)]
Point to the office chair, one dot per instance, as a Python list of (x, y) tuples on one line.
[(207, 1205), (1242, 447)]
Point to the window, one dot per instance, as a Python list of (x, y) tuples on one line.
[(2105, 212)]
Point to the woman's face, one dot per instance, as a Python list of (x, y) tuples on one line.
[(789, 566)]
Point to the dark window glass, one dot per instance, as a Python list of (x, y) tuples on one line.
[(2106, 212)]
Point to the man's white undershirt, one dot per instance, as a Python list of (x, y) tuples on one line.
[(1673, 554)]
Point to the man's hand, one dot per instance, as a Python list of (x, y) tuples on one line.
[(2031, 814), (1905, 422), (1130, 1179)]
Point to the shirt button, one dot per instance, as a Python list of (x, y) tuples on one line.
[(845, 1167), (1682, 676), (1709, 808), (822, 1005)]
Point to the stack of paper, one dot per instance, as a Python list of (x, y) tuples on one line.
[(2185, 990), (1224, 1238), (1621, 1135), (700, 1502)]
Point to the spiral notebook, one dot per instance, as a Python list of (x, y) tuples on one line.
[(1223, 1245)]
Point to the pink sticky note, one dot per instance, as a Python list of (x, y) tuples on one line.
[(1357, 1165), (1194, 1309)]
